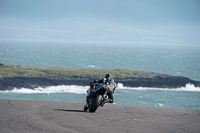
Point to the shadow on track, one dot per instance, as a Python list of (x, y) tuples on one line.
[(71, 110)]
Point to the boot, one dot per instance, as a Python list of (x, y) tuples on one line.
[(86, 106), (109, 101)]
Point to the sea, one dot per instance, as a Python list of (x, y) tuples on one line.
[(171, 59)]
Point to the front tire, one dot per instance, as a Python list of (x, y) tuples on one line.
[(96, 103)]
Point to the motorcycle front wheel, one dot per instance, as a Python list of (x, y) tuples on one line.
[(96, 103)]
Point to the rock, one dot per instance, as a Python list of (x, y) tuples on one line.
[(131, 80), (1, 64)]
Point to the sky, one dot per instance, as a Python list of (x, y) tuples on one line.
[(108, 21)]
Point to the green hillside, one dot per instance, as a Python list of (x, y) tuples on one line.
[(13, 70)]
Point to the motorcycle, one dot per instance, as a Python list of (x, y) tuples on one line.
[(96, 98)]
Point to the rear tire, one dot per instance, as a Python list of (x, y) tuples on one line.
[(96, 103)]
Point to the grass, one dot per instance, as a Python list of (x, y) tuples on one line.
[(12, 70)]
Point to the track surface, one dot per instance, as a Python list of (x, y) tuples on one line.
[(25, 116)]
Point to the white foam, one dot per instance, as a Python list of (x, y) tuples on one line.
[(82, 89), (53, 89), (158, 105), (188, 87), (91, 66)]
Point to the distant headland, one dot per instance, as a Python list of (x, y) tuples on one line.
[(16, 76)]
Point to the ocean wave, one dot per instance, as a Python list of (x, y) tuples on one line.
[(188, 87), (52, 89), (82, 89)]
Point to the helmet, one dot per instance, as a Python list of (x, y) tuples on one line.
[(108, 77)]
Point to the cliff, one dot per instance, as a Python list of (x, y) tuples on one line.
[(158, 80), (18, 77)]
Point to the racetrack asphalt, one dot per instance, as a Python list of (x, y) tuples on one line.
[(28, 116)]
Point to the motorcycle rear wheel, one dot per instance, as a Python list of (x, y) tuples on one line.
[(96, 103)]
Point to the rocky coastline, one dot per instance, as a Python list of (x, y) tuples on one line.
[(132, 80)]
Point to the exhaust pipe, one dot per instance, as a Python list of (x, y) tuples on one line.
[(105, 97)]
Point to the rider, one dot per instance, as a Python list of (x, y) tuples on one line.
[(108, 79)]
